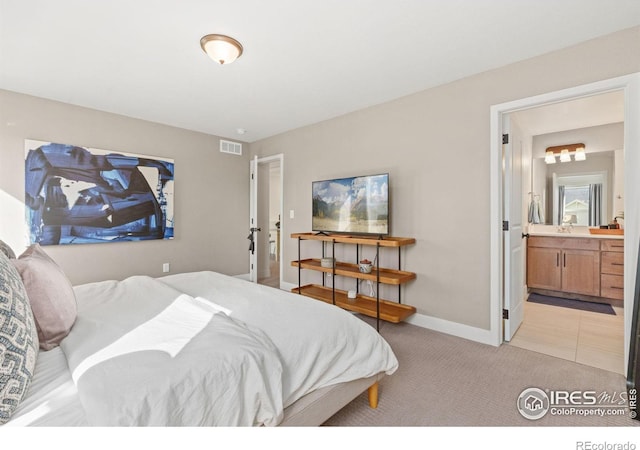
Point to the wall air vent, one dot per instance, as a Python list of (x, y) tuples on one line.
[(233, 148)]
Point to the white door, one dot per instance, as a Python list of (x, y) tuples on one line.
[(261, 190), (513, 244), (253, 220)]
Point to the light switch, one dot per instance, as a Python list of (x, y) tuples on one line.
[(165, 267), (291, 214)]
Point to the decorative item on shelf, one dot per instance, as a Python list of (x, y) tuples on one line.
[(365, 266), (327, 263), (351, 295)]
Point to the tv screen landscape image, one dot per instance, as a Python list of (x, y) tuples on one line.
[(357, 205)]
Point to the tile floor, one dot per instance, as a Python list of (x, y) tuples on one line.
[(589, 338)]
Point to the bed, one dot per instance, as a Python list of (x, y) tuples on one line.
[(194, 349)]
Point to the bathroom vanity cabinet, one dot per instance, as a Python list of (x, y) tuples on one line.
[(612, 269), (577, 266)]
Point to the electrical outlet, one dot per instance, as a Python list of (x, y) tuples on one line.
[(165, 267)]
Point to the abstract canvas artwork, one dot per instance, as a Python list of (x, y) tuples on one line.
[(77, 195)]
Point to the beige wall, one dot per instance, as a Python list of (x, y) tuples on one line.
[(211, 190), (435, 145)]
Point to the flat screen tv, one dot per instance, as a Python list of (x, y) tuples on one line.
[(355, 205)]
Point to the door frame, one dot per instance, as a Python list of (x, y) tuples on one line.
[(253, 203), (630, 86)]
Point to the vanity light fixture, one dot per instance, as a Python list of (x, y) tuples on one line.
[(222, 49), (549, 157), (580, 154), (565, 152)]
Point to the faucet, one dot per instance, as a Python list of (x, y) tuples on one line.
[(567, 223)]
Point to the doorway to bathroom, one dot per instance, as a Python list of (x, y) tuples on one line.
[(507, 288), (572, 194)]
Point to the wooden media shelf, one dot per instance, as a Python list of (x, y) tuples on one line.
[(387, 276), (370, 306), (389, 311)]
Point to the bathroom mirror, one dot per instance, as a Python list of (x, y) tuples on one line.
[(597, 122), (590, 191)]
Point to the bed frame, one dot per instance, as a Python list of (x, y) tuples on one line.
[(318, 406)]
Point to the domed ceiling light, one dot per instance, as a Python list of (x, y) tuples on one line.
[(222, 49)]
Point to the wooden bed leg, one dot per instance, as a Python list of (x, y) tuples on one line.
[(373, 395)]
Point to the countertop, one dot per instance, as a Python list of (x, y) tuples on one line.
[(575, 232)]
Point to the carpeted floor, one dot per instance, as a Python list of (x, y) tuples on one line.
[(570, 303), (444, 380)]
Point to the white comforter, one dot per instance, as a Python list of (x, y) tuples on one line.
[(319, 344), (142, 353), (204, 348)]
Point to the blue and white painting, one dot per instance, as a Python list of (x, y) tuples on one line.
[(77, 195)]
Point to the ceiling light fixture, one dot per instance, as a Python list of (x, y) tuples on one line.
[(222, 49), (564, 155)]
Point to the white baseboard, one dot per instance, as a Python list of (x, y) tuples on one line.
[(436, 324), (453, 328)]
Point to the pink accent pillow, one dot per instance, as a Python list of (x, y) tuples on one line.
[(50, 293)]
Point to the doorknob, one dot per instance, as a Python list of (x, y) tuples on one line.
[(525, 235), (252, 244), (251, 231)]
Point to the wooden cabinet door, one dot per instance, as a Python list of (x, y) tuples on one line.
[(581, 272), (543, 268)]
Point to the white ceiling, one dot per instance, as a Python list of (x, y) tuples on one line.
[(304, 61)]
